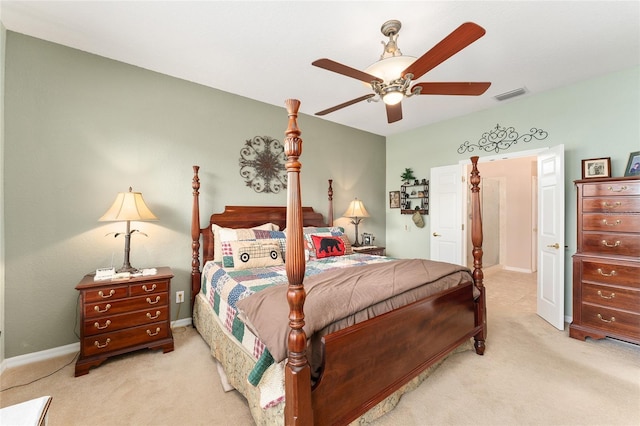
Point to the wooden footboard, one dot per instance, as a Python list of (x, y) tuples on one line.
[(361, 367)]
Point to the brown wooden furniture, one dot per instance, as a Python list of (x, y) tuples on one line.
[(367, 362), (119, 316), (373, 250), (606, 266)]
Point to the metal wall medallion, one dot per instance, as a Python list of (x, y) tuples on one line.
[(501, 138), (262, 164)]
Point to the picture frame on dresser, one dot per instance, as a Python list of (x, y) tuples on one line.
[(633, 164), (596, 168)]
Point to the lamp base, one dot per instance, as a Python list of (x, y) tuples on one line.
[(129, 269)]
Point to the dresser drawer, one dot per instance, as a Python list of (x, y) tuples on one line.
[(106, 293), (611, 243), (109, 342), (611, 273), (111, 323), (612, 297), (96, 310), (611, 320), (613, 189), (147, 288), (611, 205), (611, 222)]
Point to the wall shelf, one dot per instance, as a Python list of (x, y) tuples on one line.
[(414, 197)]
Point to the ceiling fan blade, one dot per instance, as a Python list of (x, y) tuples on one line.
[(460, 38), (339, 68), (345, 104), (469, 89), (394, 112)]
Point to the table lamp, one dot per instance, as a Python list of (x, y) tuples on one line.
[(127, 207), (356, 212)]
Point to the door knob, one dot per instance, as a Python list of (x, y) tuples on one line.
[(435, 234), (555, 246)]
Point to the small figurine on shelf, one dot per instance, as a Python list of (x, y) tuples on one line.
[(407, 175)]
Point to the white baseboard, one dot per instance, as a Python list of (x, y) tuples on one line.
[(523, 270), (19, 360)]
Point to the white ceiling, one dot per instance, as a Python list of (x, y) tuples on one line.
[(263, 50)]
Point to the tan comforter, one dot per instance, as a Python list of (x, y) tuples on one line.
[(340, 298)]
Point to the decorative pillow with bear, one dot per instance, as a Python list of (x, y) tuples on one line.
[(333, 231), (327, 246), (256, 254), (227, 236), (217, 244)]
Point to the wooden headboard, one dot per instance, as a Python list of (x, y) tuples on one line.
[(239, 217)]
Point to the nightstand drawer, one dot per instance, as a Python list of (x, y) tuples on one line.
[(109, 342), (111, 323), (148, 288), (94, 310), (106, 293)]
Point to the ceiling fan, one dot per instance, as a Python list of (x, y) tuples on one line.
[(392, 75)]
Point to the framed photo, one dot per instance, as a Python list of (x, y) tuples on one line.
[(596, 168), (633, 165), (366, 240), (394, 199)]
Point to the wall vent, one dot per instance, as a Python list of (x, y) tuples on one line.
[(511, 94)]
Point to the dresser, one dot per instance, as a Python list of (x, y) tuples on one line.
[(606, 266), (119, 316)]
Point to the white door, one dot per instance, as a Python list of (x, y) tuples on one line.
[(445, 202), (551, 236)]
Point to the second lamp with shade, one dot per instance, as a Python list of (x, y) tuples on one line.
[(128, 206), (356, 211)]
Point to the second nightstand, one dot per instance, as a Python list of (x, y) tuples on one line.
[(374, 250), (119, 316)]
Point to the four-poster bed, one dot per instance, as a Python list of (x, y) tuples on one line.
[(347, 368)]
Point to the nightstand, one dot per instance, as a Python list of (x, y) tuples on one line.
[(120, 316), (373, 250)]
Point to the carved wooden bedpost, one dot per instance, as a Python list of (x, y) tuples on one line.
[(298, 410), (195, 237), (476, 240), (330, 194)]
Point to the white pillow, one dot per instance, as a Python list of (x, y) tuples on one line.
[(217, 242)]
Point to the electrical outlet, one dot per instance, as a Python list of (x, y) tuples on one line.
[(179, 296)]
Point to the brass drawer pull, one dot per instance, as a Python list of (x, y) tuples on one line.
[(144, 287), (153, 317), (99, 346), (150, 333), (106, 308), (606, 205), (617, 222), (613, 319), (622, 188), (610, 274), (606, 297), (151, 302), (606, 244), (99, 327), (111, 293)]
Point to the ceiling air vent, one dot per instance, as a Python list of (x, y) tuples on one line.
[(511, 94)]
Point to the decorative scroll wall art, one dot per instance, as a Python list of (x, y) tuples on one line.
[(262, 164), (501, 138)]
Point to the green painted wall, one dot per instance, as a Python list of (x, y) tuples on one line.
[(593, 119), (81, 128)]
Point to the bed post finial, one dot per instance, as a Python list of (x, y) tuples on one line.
[(476, 240), (298, 409)]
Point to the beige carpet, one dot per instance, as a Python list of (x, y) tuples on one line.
[(531, 374)]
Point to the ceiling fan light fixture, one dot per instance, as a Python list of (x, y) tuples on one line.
[(390, 69), (393, 96)]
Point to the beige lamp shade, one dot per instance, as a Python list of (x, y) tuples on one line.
[(128, 206), (356, 209)]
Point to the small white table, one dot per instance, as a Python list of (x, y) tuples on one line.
[(29, 413)]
